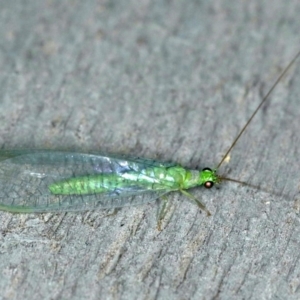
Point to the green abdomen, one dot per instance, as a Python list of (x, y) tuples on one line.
[(156, 178), (84, 185)]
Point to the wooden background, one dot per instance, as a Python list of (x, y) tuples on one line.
[(169, 80)]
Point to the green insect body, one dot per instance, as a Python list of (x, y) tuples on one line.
[(47, 181), (152, 179)]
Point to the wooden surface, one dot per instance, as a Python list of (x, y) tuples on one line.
[(169, 80)]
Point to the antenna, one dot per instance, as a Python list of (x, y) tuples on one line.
[(266, 97)]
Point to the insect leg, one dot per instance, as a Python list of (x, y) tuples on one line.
[(199, 204), (162, 211)]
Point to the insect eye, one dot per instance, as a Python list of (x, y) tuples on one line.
[(208, 184)]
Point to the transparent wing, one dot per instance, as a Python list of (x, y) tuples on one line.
[(25, 176)]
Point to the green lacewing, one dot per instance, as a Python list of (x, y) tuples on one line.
[(54, 181)]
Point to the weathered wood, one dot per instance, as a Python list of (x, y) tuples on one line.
[(171, 80)]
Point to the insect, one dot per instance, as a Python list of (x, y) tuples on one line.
[(54, 181)]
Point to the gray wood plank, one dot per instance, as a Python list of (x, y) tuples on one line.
[(167, 80)]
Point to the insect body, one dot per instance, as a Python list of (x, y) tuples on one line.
[(151, 178), (48, 181), (44, 180)]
